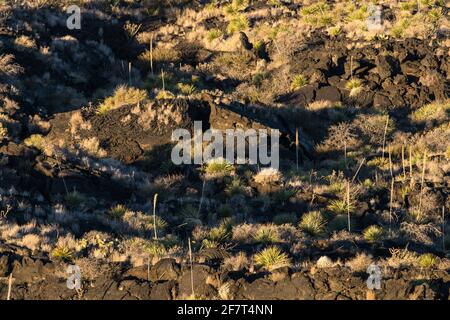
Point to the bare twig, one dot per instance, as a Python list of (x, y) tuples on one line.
[(192, 268), (384, 135)]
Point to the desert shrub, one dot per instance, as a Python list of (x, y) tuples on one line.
[(436, 111), (266, 234), (268, 176), (340, 222), (75, 199), (159, 55), (313, 223), (218, 167), (360, 262), (62, 253), (340, 206), (186, 88), (238, 23), (237, 262), (427, 260), (221, 233), (92, 147), (371, 127), (118, 211), (36, 141), (235, 187), (298, 81), (233, 64), (236, 6), (373, 234), (355, 86), (272, 258), (122, 96), (213, 34)]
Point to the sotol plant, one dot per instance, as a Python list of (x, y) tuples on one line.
[(272, 258), (313, 223)]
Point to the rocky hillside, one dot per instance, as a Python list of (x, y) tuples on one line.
[(87, 179)]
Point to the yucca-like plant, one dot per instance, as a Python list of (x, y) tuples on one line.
[(373, 234), (298, 81), (272, 258), (340, 206), (63, 253), (266, 235), (122, 96), (156, 249), (75, 199), (219, 167), (313, 223), (238, 23), (427, 260), (221, 233), (118, 211), (355, 87), (186, 88)]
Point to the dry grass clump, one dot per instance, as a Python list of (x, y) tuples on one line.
[(122, 96), (360, 262), (159, 55), (268, 176), (237, 262), (432, 112), (92, 147)]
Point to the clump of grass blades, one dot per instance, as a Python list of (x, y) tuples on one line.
[(298, 81), (427, 260), (313, 223), (272, 258), (118, 211), (340, 206), (219, 167), (75, 199), (63, 253), (373, 234), (266, 235), (355, 87), (122, 96)]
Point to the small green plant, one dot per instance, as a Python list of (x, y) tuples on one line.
[(219, 167), (236, 6), (355, 87), (427, 260), (118, 211), (313, 223), (156, 249), (432, 112), (235, 188), (333, 32), (63, 253), (36, 141), (221, 233), (299, 81), (266, 235), (340, 206), (238, 23), (122, 96), (186, 88), (272, 258), (213, 34), (75, 199), (373, 234)]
